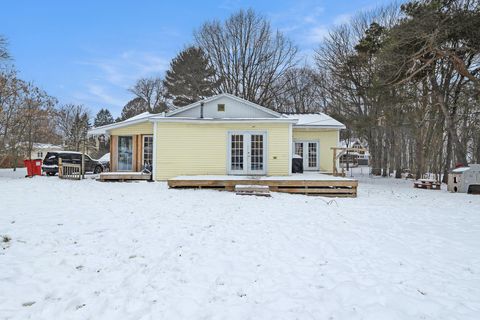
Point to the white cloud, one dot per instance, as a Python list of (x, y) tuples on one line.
[(317, 34), (100, 93), (110, 77), (342, 19), (124, 69)]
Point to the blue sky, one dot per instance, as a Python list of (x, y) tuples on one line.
[(90, 52)]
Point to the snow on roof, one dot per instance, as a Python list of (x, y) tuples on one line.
[(137, 118), (46, 146), (142, 115), (316, 120)]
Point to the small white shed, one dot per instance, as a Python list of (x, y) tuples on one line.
[(465, 179)]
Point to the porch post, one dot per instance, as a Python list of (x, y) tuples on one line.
[(290, 147), (154, 156)]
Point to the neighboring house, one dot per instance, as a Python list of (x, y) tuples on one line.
[(221, 135), (354, 158), (39, 150)]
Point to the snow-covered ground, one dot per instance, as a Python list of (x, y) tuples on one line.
[(92, 250)]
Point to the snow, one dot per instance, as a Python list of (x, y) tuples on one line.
[(315, 120), (105, 158), (93, 250), (460, 170)]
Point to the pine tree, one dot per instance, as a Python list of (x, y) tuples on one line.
[(102, 118), (133, 108), (190, 78)]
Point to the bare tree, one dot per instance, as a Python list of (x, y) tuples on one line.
[(248, 56), (73, 123), (3, 49), (302, 92), (25, 117), (152, 91)]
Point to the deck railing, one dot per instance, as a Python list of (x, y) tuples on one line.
[(69, 170)]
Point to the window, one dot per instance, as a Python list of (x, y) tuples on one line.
[(40, 154), (221, 107)]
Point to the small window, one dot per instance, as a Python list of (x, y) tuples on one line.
[(221, 107), (40, 154)]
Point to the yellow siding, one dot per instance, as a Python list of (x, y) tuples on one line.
[(138, 128), (201, 149), (326, 138)]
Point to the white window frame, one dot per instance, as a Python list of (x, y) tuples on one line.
[(143, 148), (246, 153)]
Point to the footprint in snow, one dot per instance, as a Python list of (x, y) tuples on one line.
[(28, 304)]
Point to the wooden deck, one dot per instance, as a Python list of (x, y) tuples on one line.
[(124, 176), (319, 184)]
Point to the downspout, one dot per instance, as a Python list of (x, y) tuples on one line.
[(201, 110)]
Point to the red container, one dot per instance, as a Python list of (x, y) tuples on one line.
[(34, 167)]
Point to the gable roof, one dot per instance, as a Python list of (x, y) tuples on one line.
[(312, 120), (316, 120), (227, 95)]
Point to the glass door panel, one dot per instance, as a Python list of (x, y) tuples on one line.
[(256, 156), (312, 155), (237, 155), (125, 153)]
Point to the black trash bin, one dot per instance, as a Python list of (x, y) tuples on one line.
[(297, 165)]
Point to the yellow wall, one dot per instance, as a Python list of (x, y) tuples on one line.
[(326, 138), (139, 128), (201, 149)]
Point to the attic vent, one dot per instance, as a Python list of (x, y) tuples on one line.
[(221, 107)]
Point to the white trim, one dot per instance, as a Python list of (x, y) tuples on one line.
[(231, 96), (290, 147), (154, 159), (332, 127), (224, 120)]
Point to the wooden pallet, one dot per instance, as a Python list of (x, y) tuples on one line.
[(252, 190), (326, 188)]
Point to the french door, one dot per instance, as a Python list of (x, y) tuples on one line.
[(247, 153), (308, 150)]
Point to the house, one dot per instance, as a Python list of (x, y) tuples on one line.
[(465, 179), (221, 135), (357, 155), (39, 150)]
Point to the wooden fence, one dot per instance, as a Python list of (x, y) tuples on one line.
[(69, 170)]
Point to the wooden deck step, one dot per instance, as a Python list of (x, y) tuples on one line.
[(252, 190), (124, 176)]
